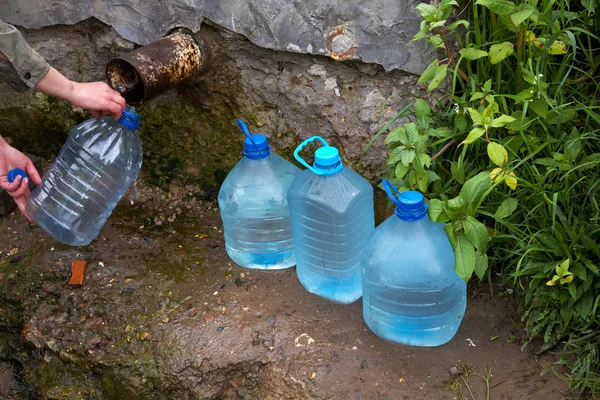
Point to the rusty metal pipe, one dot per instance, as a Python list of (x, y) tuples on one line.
[(150, 70)]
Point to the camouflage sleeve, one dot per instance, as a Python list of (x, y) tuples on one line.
[(20, 66)]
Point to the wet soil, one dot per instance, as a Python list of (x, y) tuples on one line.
[(164, 314)]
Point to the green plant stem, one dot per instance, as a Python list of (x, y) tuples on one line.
[(451, 59), (520, 40)]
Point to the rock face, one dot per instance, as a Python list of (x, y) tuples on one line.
[(377, 31), (189, 133)]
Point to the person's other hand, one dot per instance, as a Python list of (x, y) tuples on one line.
[(97, 97), (11, 158)]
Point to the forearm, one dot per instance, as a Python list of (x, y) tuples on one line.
[(56, 84)]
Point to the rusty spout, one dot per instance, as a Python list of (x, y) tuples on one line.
[(150, 70)]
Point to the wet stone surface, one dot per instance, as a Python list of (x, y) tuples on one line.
[(164, 314)]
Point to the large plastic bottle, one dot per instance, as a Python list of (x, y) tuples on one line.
[(96, 165), (411, 294), (332, 214), (254, 207)]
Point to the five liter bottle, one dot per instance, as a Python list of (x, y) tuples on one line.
[(332, 215), (254, 207), (411, 294), (98, 162)]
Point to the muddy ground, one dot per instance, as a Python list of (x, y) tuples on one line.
[(164, 314)]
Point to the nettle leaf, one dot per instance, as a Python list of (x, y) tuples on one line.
[(433, 176), (464, 257), (412, 133), (507, 207), (456, 208), (499, 52), (500, 7), (481, 264), (497, 154), (412, 180), (476, 233), (421, 144), (573, 145), (477, 96), (422, 112), (419, 36), (519, 17), (475, 134), (395, 155), (460, 122), (437, 24), (501, 121), (584, 304), (472, 53), (489, 98), (507, 23), (451, 233), (475, 116), (540, 107), (474, 189), (429, 72), (400, 171), (440, 74), (436, 41), (456, 24), (407, 156), (393, 136), (422, 180), (487, 86), (436, 211)]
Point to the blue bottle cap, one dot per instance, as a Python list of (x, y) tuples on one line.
[(410, 205), (256, 146), (130, 118), (327, 158), (13, 173)]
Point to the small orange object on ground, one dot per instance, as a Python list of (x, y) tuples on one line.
[(77, 269)]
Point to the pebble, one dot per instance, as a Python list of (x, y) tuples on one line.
[(220, 329), (453, 371)]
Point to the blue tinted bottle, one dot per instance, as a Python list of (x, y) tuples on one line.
[(411, 293), (332, 216), (254, 207)]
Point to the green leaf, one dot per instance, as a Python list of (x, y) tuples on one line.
[(487, 86), (472, 53), (400, 171), (590, 5), (422, 180), (573, 145), (427, 11), (460, 122), (456, 208), (412, 180), (474, 189), (464, 257), (393, 136), (395, 155), (519, 17), (440, 74), (475, 116), (497, 153), (507, 23), (412, 133), (422, 112), (436, 41), (591, 266), (500, 7), (540, 107), (507, 207), (481, 264), (451, 233), (442, 132), (477, 96), (408, 155), (421, 144), (501, 121), (436, 211), (476, 233), (584, 304), (499, 52), (475, 134), (573, 291), (433, 176), (429, 72), (560, 116), (458, 172), (456, 24)]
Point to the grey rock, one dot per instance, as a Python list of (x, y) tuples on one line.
[(379, 29)]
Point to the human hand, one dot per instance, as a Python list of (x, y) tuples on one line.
[(99, 98), (11, 158)]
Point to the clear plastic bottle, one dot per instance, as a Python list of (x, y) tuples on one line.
[(332, 215), (254, 207), (411, 293), (96, 165)]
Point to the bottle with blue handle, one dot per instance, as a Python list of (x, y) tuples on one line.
[(332, 216), (254, 207), (96, 165), (411, 293)]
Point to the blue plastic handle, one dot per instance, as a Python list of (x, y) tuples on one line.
[(13, 173), (246, 131), (390, 190), (303, 145)]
